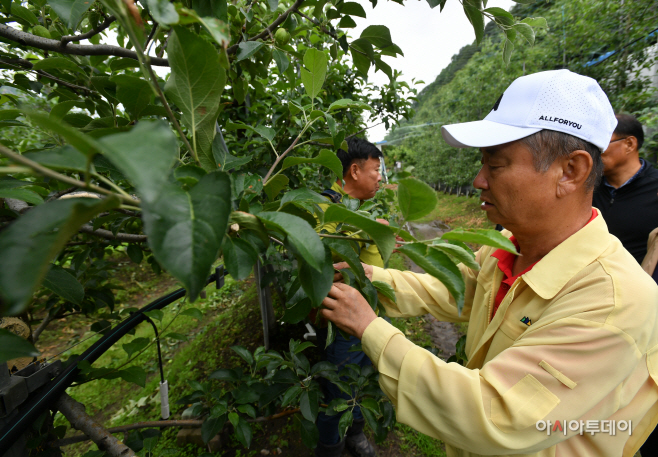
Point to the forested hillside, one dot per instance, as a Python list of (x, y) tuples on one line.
[(613, 42)]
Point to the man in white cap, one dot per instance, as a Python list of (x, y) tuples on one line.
[(562, 341)]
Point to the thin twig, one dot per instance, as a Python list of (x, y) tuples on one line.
[(108, 235), (363, 240), (27, 65), (278, 159), (69, 38), (61, 193), (60, 177)]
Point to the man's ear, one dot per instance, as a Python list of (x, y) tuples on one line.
[(354, 170), (632, 144), (575, 171)]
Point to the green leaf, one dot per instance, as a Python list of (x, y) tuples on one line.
[(247, 49), (477, 20), (308, 404), (30, 243), (239, 257), (195, 85), (536, 22), (325, 158), (281, 59), (213, 8), (244, 353), (64, 284), (185, 229), (487, 237), (243, 432), (70, 11), (501, 15), (144, 155), (83, 143), (344, 250), (194, 313), (440, 266), (175, 336), (135, 253), (135, 346), (345, 103), (347, 23), (133, 92), (300, 236), (344, 423), (64, 158), (291, 395), (380, 233), (133, 374), (353, 9), (297, 312), (211, 427), (508, 47), (25, 195), (57, 63), (378, 35), (314, 74), (163, 11), (218, 30), (309, 432), (273, 4), (123, 64), (303, 194), (464, 256), (435, 3), (385, 289), (234, 418), (415, 198), (275, 185), (13, 346), (317, 285), (156, 314), (526, 32), (23, 13)]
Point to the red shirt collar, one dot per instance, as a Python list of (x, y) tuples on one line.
[(506, 263)]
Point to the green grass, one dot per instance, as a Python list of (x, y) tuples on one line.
[(413, 442), (458, 212)]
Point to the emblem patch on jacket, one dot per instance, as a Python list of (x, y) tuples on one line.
[(526, 320)]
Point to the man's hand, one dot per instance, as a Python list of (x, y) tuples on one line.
[(347, 308), (382, 221), (338, 277)]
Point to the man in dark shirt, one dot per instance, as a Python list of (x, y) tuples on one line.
[(628, 194)]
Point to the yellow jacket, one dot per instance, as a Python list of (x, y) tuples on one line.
[(369, 253), (589, 352)]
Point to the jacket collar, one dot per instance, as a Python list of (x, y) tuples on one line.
[(557, 267), (337, 188)]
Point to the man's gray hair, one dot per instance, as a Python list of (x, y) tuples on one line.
[(548, 145)]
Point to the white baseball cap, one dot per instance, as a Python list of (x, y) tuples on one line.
[(554, 100)]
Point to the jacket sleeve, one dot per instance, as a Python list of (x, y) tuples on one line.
[(567, 369), (418, 293)]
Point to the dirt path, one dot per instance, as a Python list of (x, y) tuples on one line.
[(444, 335)]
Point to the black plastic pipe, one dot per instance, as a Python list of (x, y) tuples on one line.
[(49, 394)]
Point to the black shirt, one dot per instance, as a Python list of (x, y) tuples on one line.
[(632, 212)]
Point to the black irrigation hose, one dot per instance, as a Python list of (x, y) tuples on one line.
[(30, 411)]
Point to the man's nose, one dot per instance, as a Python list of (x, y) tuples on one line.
[(379, 177), (480, 181)]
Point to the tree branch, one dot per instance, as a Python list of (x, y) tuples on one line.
[(44, 323), (26, 64), (268, 30), (27, 39), (76, 415), (61, 193), (127, 237), (280, 158), (331, 33), (68, 38), (189, 423)]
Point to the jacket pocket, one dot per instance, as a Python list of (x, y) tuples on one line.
[(525, 403)]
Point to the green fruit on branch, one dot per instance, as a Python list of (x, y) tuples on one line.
[(282, 37)]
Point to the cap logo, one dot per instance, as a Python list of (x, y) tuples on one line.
[(560, 121), (497, 104)]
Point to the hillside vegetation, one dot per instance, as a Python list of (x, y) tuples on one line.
[(582, 36)]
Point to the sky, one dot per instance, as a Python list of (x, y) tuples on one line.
[(428, 39)]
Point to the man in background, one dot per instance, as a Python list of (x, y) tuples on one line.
[(628, 193), (360, 180)]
